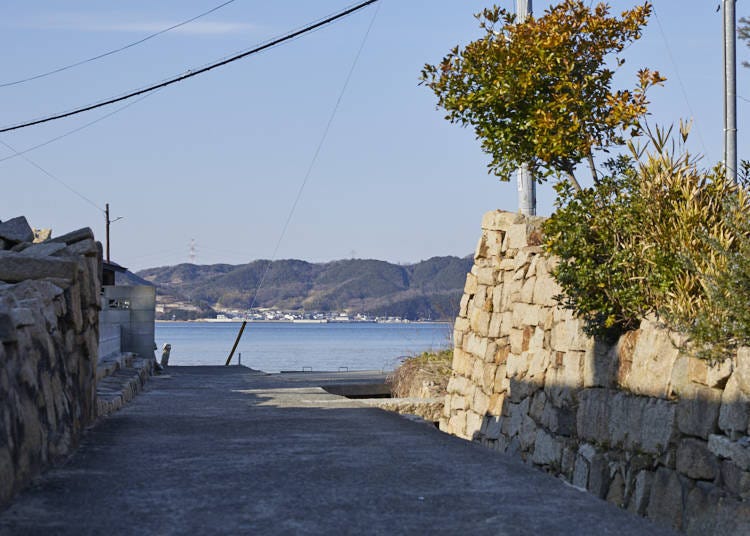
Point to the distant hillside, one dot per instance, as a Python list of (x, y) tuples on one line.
[(428, 289)]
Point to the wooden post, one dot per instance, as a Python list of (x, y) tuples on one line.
[(236, 342), (106, 216)]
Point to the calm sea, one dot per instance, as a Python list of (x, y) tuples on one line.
[(273, 347)]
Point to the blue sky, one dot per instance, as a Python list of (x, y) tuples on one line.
[(220, 158)]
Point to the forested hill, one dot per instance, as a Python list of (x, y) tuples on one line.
[(428, 289)]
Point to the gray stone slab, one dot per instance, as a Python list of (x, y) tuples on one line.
[(35, 289), (698, 411), (16, 230), (737, 451), (42, 249), (15, 268), (74, 236), (626, 420), (86, 247), (694, 460), (225, 450), (8, 332), (22, 317)]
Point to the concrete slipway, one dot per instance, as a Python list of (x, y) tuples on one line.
[(227, 450)]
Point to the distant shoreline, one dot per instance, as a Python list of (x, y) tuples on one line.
[(213, 321)]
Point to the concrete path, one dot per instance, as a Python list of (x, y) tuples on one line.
[(223, 450)]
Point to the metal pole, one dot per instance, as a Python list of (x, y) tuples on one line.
[(526, 183), (730, 89), (106, 215), (236, 342), (523, 9)]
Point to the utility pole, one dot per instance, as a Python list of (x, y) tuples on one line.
[(106, 216), (526, 183), (730, 89), (108, 222)]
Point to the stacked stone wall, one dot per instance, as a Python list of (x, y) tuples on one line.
[(638, 423), (49, 305)]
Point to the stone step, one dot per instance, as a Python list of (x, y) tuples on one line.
[(119, 380)]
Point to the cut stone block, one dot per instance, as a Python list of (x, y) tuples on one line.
[(695, 461), (75, 236), (15, 268), (16, 230), (736, 451)]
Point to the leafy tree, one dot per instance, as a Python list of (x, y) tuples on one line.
[(539, 91)]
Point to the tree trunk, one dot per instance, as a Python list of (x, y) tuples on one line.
[(573, 181), (594, 174)]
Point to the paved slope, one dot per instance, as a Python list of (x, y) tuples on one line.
[(223, 450)]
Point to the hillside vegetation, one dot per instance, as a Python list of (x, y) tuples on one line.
[(428, 289)]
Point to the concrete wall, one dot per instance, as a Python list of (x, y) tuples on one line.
[(110, 340), (131, 309), (49, 303), (637, 423)]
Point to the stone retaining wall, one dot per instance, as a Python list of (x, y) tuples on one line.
[(637, 423), (49, 304)]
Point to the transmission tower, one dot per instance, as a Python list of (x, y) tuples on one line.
[(192, 252)]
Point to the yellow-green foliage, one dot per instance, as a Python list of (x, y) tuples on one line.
[(691, 226), (726, 323), (539, 91), (657, 235)]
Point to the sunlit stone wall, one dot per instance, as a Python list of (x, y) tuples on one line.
[(637, 423)]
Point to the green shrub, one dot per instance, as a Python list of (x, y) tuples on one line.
[(656, 234), (593, 234), (726, 323)]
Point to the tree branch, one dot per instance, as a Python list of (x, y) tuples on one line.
[(594, 174), (573, 181)]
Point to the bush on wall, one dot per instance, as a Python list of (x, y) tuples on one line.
[(657, 234)]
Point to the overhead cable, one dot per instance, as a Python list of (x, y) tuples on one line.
[(77, 129), (196, 72), (115, 51), (314, 159), (53, 176), (679, 79)]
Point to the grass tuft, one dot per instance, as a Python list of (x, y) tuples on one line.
[(422, 376)]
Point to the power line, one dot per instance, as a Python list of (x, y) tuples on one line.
[(192, 73), (115, 51), (679, 78), (78, 129), (314, 159), (54, 177)]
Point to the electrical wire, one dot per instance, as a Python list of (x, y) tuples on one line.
[(314, 159), (679, 78), (53, 176), (192, 73), (78, 129), (115, 51)]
